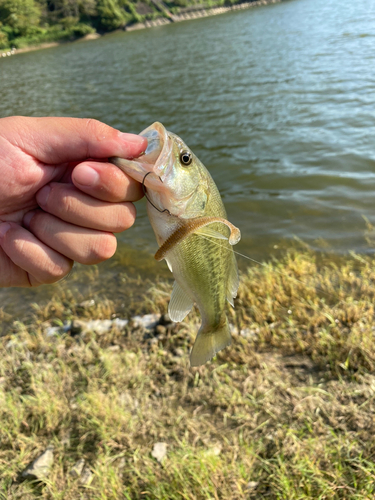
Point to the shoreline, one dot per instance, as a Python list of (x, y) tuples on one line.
[(188, 15), (198, 13)]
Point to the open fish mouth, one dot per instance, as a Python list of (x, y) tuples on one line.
[(153, 161)]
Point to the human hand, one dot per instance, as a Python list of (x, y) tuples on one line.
[(60, 200)]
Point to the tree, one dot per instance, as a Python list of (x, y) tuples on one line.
[(111, 15), (20, 17)]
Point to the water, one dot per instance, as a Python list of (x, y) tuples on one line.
[(277, 101)]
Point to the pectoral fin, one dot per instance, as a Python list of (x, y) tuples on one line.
[(180, 304), (233, 281), (169, 265)]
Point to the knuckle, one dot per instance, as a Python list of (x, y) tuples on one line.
[(103, 249), (99, 131), (125, 218)]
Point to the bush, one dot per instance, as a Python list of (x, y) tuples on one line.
[(82, 29), (4, 41)]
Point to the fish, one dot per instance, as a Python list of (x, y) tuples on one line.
[(195, 238)]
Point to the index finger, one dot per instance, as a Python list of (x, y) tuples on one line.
[(106, 182), (59, 140)]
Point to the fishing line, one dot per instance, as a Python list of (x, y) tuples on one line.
[(265, 265)]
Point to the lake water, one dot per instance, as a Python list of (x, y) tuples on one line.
[(277, 101)]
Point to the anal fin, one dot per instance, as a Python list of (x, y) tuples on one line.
[(180, 304)]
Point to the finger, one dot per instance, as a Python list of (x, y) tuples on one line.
[(10, 274), (86, 246), (71, 205), (106, 182), (58, 140), (40, 263)]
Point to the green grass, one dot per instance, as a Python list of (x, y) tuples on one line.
[(286, 413)]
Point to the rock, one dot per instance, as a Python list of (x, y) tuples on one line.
[(215, 450), (65, 439), (77, 468), (86, 304), (179, 352), (41, 466), (148, 321), (53, 331), (119, 323), (159, 451), (86, 477), (113, 348), (252, 485), (99, 326)]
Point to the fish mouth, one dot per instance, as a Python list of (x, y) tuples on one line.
[(152, 161)]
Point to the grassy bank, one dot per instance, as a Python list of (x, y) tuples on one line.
[(287, 412)]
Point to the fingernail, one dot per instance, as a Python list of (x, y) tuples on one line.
[(86, 176), (133, 138), (4, 228), (27, 218), (43, 195)]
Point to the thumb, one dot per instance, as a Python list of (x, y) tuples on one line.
[(58, 140)]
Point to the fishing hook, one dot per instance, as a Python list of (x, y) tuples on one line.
[(148, 199)]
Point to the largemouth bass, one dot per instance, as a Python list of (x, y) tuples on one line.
[(190, 224)]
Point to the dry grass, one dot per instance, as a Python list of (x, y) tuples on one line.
[(287, 412)]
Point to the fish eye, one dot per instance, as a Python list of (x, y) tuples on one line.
[(186, 158)]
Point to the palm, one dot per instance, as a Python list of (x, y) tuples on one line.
[(23, 177)]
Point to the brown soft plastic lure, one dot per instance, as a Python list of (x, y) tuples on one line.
[(192, 226)]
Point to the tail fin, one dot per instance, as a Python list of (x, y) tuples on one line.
[(208, 342)]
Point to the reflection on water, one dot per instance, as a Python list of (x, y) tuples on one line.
[(277, 101)]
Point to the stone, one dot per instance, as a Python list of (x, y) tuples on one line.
[(148, 321), (86, 477), (214, 450), (120, 324), (41, 466), (159, 452), (77, 468), (252, 485), (86, 304)]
